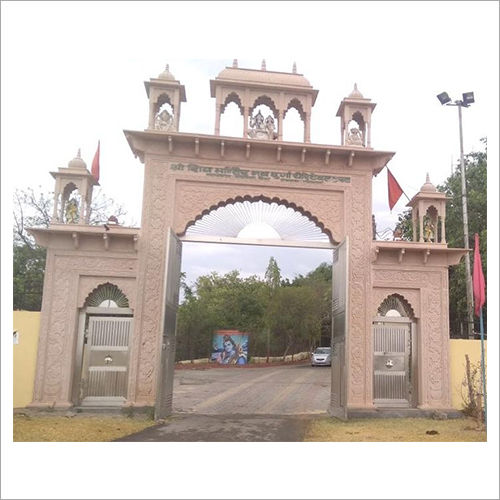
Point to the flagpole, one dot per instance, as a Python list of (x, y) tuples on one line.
[(483, 368)]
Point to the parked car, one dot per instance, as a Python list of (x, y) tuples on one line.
[(321, 356)]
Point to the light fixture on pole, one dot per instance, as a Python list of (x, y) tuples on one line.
[(467, 99)]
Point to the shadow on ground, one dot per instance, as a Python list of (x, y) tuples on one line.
[(225, 428)]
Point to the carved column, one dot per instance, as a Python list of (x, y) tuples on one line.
[(421, 227), (414, 224), (443, 235), (368, 141), (151, 114), (245, 121), (307, 127), (280, 124), (217, 119), (56, 197)]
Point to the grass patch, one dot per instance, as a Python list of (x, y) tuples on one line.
[(395, 429), (76, 429)]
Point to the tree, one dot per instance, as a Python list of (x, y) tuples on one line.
[(34, 209), (294, 315), (475, 180), (273, 281)]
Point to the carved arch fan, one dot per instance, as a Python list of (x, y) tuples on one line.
[(237, 218), (106, 295), (396, 303)]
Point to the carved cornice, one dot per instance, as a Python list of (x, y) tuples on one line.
[(183, 144), (399, 251)]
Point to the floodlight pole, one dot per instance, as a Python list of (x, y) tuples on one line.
[(468, 276)]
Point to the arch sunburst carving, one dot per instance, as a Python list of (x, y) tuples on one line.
[(106, 291), (398, 303), (264, 199)]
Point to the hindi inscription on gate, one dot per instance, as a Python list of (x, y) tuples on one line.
[(251, 174)]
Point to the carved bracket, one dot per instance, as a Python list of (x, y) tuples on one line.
[(402, 251), (327, 156), (426, 255)]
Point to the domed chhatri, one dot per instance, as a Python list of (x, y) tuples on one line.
[(77, 161), (356, 94), (428, 187), (166, 75)]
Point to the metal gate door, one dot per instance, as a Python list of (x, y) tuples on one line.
[(391, 364), (105, 362), (340, 288), (171, 281)]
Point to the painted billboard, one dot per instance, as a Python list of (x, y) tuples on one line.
[(230, 347)]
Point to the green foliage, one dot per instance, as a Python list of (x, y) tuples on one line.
[(475, 180), (34, 209), (280, 319), (29, 266)]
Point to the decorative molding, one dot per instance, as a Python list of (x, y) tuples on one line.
[(58, 328)]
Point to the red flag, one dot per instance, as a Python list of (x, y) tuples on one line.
[(478, 278), (395, 190), (95, 162)]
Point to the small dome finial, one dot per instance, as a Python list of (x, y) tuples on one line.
[(77, 161), (428, 187), (294, 68), (263, 65), (235, 63), (356, 93)]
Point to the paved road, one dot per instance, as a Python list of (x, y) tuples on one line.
[(280, 390), (243, 404)]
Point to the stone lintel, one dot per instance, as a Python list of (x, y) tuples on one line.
[(166, 143), (75, 233), (401, 252)]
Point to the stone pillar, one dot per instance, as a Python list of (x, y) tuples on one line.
[(443, 235), (307, 127), (368, 140), (54, 212), (281, 115), (217, 119), (245, 122), (151, 115), (421, 227)]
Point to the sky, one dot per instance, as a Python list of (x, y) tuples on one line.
[(73, 73)]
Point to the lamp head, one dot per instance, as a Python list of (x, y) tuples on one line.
[(443, 97), (467, 98)]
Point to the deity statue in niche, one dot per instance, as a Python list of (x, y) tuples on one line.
[(260, 128), (271, 134), (429, 230), (72, 211), (164, 121), (355, 137)]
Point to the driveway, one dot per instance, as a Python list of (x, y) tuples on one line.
[(243, 404), (279, 390)]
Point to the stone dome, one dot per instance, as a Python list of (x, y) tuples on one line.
[(356, 94), (263, 77), (166, 75), (428, 187), (77, 162)]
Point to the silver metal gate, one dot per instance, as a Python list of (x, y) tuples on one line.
[(105, 361), (340, 288), (392, 363), (171, 282)]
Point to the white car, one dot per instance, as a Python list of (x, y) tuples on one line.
[(321, 356)]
